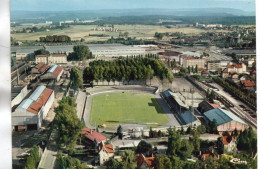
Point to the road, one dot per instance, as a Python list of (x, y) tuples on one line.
[(209, 137), (49, 157)]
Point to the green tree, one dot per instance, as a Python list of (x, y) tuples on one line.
[(120, 131), (144, 148), (67, 122), (161, 161), (80, 53), (176, 162), (196, 69), (41, 52), (76, 77), (174, 142), (113, 164), (195, 140), (34, 158), (128, 160)]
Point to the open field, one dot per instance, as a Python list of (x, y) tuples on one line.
[(76, 32), (126, 108)]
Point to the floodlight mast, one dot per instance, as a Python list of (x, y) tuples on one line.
[(192, 110)]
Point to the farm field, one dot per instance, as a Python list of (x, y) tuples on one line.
[(76, 32), (126, 108)]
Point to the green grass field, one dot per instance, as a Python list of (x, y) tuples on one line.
[(111, 109)]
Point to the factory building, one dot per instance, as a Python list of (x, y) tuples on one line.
[(226, 121), (32, 111), (40, 68), (115, 50), (54, 73)]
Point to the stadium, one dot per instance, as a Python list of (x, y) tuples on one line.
[(133, 105)]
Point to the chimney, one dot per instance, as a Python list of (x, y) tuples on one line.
[(91, 131)]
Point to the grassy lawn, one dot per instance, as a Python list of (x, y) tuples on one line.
[(111, 109)]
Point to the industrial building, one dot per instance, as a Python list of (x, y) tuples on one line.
[(54, 73), (115, 50), (32, 111), (21, 53), (40, 68), (183, 103), (18, 93), (226, 121)]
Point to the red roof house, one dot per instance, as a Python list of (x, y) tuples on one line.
[(92, 135), (147, 162)]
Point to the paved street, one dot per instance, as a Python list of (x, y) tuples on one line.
[(49, 157)]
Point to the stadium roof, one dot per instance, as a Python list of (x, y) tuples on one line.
[(188, 117), (185, 99), (222, 116)]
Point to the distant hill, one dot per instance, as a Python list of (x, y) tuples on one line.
[(90, 14)]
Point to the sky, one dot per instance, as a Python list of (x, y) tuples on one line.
[(66, 5)]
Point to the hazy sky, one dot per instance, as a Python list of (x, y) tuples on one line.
[(59, 5)]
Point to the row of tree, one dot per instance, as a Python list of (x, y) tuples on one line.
[(55, 38), (67, 122), (128, 69)]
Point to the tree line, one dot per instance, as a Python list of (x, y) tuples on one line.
[(127, 69), (55, 38)]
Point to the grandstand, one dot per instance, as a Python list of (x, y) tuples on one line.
[(181, 103)]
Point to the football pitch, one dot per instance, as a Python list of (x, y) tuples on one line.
[(111, 109)]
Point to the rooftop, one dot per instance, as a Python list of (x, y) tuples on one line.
[(185, 99), (248, 83), (222, 116), (93, 135)]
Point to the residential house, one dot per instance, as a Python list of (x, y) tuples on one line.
[(144, 162), (105, 151), (225, 73), (92, 136), (205, 73), (229, 143), (175, 70), (239, 68), (248, 84)]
